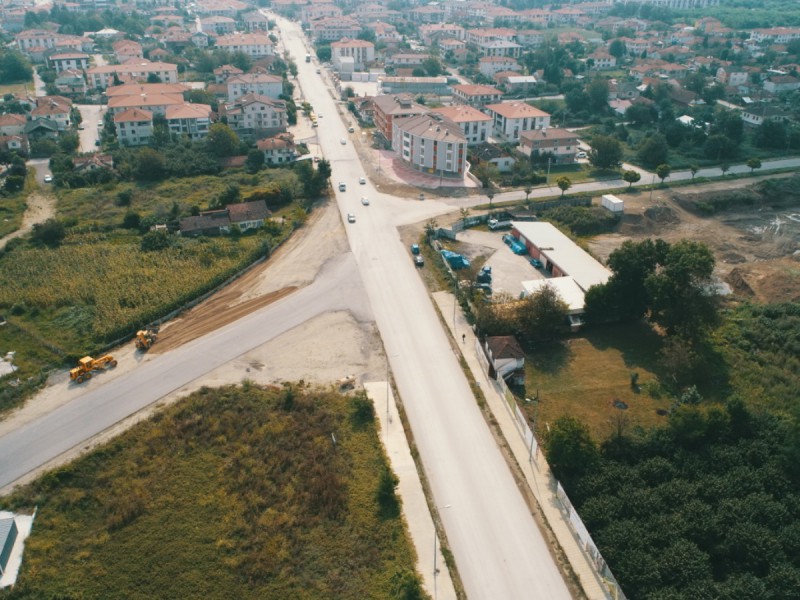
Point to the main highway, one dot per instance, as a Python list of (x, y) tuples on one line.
[(498, 549)]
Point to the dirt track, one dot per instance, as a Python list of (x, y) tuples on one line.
[(40, 207)]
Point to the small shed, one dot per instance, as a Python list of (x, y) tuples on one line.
[(506, 358), (612, 203), (8, 535)]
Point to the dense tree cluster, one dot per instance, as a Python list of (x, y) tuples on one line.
[(706, 507)]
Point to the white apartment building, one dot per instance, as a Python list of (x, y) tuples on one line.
[(254, 45), (431, 144), (560, 143), (512, 118), (63, 61), (475, 94), (191, 120), (489, 66), (436, 31), (262, 84), (500, 48), (333, 29), (360, 52), (134, 127), (258, 115)]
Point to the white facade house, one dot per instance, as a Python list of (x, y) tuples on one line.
[(489, 66), (512, 118), (257, 115), (475, 125), (262, 84), (560, 143), (254, 45), (432, 144), (279, 149), (191, 120), (500, 48), (361, 52), (476, 94)]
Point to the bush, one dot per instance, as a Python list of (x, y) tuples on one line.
[(50, 233), (131, 220), (155, 240)]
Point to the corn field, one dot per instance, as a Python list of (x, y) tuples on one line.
[(90, 291)]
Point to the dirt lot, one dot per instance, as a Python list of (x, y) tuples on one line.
[(757, 248)]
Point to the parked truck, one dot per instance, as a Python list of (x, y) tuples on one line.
[(495, 224)]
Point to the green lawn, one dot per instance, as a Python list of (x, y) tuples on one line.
[(232, 493), (583, 376)]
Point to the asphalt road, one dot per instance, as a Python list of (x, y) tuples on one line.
[(498, 548), (91, 115), (105, 403)]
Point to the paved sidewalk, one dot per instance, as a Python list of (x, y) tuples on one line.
[(537, 473), (430, 562)]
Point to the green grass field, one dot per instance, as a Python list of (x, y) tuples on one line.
[(584, 375), (233, 493)]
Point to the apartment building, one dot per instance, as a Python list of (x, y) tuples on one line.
[(256, 115), (134, 127), (476, 94), (387, 108), (352, 55), (254, 45), (141, 70), (489, 66), (190, 120), (431, 144), (262, 84), (512, 118), (560, 143), (63, 61), (475, 125)]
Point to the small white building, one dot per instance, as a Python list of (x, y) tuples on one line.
[(262, 84), (560, 143), (278, 150), (257, 115), (361, 52), (512, 118), (68, 60)]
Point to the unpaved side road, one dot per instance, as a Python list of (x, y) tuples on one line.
[(40, 207)]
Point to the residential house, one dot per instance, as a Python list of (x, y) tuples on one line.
[(33, 43), (475, 94), (221, 74), (481, 36), (190, 120), (200, 39), (332, 29), (279, 149), (210, 222), (500, 48), (778, 84), (560, 143), (262, 84), (93, 162), (732, 76), (401, 61), (494, 154), (489, 66), (514, 83), (63, 61), (217, 25), (253, 114), (601, 60), (254, 45), (141, 70), (348, 56), (414, 85), (254, 21), (387, 108), (475, 125), (12, 124), (57, 109), (151, 101), (755, 114), (385, 33), (41, 127), (71, 82), (427, 14), (512, 118), (431, 144), (434, 32), (125, 50), (15, 143), (321, 10), (530, 38), (248, 215), (134, 127), (506, 358)]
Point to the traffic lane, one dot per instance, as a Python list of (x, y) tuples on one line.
[(104, 404)]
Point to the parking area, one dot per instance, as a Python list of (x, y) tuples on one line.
[(509, 270)]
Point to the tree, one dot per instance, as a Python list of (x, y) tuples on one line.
[(432, 66), (542, 314), (490, 196), (641, 114), (221, 140), (14, 67), (571, 451), (617, 49), (527, 191), (563, 183), (694, 169), (662, 171), (50, 233), (606, 152), (464, 214), (680, 300), (255, 160), (653, 150), (631, 177), (149, 165), (724, 167), (153, 241), (597, 92), (754, 163), (772, 133)]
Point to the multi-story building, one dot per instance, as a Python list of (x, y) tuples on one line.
[(512, 118), (151, 97), (475, 94), (33, 43), (254, 21), (489, 66), (427, 14), (256, 115), (481, 36), (431, 144), (327, 10), (602, 60), (191, 120), (71, 81), (352, 55), (218, 25), (500, 48), (334, 28), (406, 61), (141, 70), (224, 72), (387, 108), (254, 45), (125, 50), (775, 35), (56, 109), (561, 144), (63, 61), (475, 125), (438, 31), (279, 149), (262, 84), (12, 124), (134, 127)]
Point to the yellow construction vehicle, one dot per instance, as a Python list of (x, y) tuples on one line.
[(88, 364), (146, 338)]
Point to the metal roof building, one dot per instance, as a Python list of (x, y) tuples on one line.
[(8, 535)]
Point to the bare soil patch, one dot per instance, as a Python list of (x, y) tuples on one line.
[(40, 207)]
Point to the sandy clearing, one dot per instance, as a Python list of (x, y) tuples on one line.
[(39, 207)]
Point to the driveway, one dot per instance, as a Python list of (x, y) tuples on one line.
[(91, 115)]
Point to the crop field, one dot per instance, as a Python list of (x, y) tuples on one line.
[(239, 492), (95, 287)]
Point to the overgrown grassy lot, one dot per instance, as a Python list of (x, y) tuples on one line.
[(585, 375), (237, 492)]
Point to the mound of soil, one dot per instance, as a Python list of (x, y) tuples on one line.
[(662, 215), (737, 282)]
